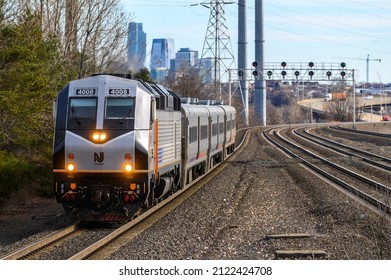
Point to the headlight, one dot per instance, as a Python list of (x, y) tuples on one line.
[(95, 136), (71, 166), (128, 167), (99, 136)]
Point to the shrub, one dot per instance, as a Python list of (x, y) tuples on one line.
[(13, 174)]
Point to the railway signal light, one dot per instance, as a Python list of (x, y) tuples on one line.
[(283, 73), (255, 72), (311, 73), (269, 73), (311, 64), (328, 73), (297, 74), (343, 74), (283, 64), (240, 73), (343, 64)]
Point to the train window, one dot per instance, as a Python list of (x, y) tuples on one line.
[(193, 136), (119, 108), (221, 128), (214, 129), (204, 132), (82, 112)]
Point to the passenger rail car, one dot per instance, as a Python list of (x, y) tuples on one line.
[(121, 145)]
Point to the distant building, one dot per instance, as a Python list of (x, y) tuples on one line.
[(137, 46), (163, 51), (207, 69), (185, 58)]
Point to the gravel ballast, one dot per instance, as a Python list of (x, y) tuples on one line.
[(260, 194)]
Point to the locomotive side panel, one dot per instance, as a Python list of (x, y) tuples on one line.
[(169, 140)]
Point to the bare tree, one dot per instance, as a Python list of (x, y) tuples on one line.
[(8, 12), (188, 83), (92, 33), (102, 32), (339, 110)]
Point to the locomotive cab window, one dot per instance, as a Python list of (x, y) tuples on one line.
[(119, 112), (82, 112)]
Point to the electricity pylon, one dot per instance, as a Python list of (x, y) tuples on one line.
[(217, 55)]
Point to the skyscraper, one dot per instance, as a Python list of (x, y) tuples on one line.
[(137, 45), (184, 59), (163, 50)]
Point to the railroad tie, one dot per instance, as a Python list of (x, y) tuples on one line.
[(287, 235), (300, 253)]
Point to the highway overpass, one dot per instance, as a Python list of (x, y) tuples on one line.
[(318, 104)]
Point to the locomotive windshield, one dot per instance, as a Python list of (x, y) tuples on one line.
[(82, 112), (119, 108), (119, 112)]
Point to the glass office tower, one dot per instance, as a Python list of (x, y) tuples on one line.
[(137, 45)]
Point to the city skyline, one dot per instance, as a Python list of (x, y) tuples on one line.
[(303, 31)]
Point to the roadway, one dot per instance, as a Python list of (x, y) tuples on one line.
[(318, 104)]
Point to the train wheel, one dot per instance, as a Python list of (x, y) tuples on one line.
[(68, 208)]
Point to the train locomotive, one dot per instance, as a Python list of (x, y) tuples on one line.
[(122, 145)]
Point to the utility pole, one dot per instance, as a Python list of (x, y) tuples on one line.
[(242, 53), (259, 87)]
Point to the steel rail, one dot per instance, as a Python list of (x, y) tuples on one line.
[(361, 131), (371, 200), (31, 249), (370, 161)]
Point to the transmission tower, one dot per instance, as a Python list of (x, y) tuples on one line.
[(217, 55)]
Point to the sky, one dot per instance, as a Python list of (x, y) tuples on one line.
[(294, 31)]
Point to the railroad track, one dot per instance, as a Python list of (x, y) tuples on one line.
[(115, 238), (33, 250), (363, 188), (361, 131), (368, 157)]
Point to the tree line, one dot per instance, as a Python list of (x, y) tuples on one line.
[(43, 45)]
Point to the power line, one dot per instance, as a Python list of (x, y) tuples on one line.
[(326, 40), (331, 28), (328, 20), (350, 9), (369, 5)]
